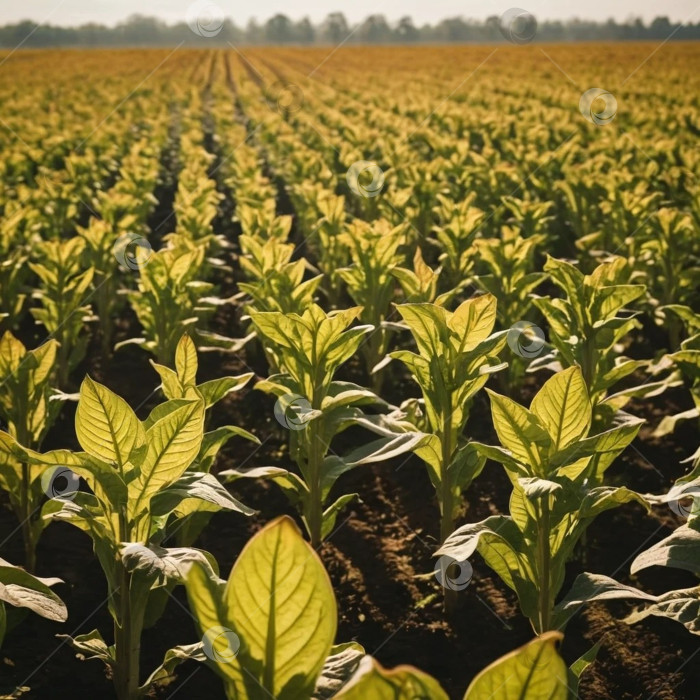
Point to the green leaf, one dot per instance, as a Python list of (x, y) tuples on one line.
[(214, 440), (473, 321), (216, 389), (172, 388), (331, 513), (680, 550), (372, 682), (428, 324), (339, 667), (578, 668), (533, 671), (682, 606), (173, 442), (186, 361), (22, 590), (519, 430), (563, 407), (590, 588), (196, 486), (106, 426), (165, 673), (161, 564), (280, 602)]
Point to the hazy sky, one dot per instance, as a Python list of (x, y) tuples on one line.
[(72, 12)]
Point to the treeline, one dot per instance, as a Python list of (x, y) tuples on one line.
[(280, 29)]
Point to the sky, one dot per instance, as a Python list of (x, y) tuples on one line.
[(75, 12)]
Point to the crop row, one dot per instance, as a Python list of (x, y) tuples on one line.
[(387, 255)]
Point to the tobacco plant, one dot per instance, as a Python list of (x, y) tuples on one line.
[(308, 349), (455, 236), (28, 406), (181, 383), (457, 352), (13, 284), (276, 283), (587, 328), (669, 259), (64, 296), (138, 477), (511, 279), (420, 284), (686, 362), (332, 251), (375, 252), (170, 299), (556, 467)]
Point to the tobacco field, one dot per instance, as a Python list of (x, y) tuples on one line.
[(356, 373)]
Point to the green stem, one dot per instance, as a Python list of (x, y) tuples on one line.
[(447, 503), (127, 634), (316, 503), (544, 568), (25, 516)]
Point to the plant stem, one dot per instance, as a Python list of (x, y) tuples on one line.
[(316, 505), (25, 518), (127, 635), (543, 567), (447, 503)]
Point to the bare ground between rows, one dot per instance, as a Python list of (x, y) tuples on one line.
[(380, 546)]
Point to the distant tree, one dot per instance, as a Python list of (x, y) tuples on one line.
[(453, 29), (279, 29), (406, 30), (304, 31), (661, 28), (335, 28), (254, 33), (375, 30), (138, 30)]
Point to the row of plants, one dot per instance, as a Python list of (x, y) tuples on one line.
[(428, 280)]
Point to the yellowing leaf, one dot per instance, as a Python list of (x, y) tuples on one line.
[(563, 407), (186, 361), (473, 320), (173, 442), (280, 601), (534, 671), (372, 682), (106, 426), (518, 429)]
